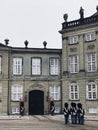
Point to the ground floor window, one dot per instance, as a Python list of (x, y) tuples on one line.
[(15, 110)]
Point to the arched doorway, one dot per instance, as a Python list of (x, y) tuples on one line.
[(36, 102)]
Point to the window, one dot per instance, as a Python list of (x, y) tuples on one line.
[(55, 92), (17, 66), (93, 110), (0, 64), (17, 92), (91, 91), (36, 66), (15, 110), (74, 92), (54, 66), (91, 62), (73, 40), (90, 36), (74, 64)]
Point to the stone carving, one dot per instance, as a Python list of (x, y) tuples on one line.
[(74, 49), (91, 47), (65, 16)]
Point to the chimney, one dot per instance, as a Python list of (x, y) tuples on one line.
[(26, 44), (44, 43), (6, 41)]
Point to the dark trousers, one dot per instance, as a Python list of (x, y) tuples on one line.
[(66, 117), (74, 119), (81, 119)]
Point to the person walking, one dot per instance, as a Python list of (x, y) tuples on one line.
[(73, 112), (66, 113), (80, 114), (52, 108)]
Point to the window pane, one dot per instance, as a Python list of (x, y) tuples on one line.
[(17, 92), (73, 64), (54, 66), (74, 93), (55, 92), (92, 91), (91, 62), (36, 66), (17, 66)]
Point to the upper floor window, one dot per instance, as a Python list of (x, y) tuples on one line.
[(91, 64), (55, 92), (73, 40), (0, 64), (90, 36), (17, 66), (54, 66), (74, 64), (91, 91), (36, 66), (74, 91), (17, 92)]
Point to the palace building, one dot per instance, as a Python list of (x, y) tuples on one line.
[(70, 74)]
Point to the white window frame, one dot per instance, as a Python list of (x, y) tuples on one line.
[(17, 92), (92, 110), (90, 36), (54, 66), (73, 39), (91, 63), (91, 91), (74, 92), (54, 92), (15, 110), (36, 66), (17, 66), (74, 64)]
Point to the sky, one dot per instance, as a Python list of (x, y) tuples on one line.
[(39, 20)]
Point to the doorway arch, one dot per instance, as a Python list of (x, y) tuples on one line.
[(36, 102)]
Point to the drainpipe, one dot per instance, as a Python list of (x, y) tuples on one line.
[(8, 99)]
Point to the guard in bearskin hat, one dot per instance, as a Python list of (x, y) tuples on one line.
[(73, 112), (80, 113), (66, 112)]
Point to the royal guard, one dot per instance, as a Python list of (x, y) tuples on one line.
[(66, 113), (73, 112), (80, 113)]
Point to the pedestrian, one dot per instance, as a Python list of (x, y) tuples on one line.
[(80, 114), (66, 113), (22, 111), (73, 112), (52, 108)]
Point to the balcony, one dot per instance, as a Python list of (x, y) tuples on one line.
[(80, 22)]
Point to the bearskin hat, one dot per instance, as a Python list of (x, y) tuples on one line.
[(66, 104)]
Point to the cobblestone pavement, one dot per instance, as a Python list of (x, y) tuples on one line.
[(45, 122)]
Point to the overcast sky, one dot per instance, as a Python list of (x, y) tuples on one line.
[(39, 20)]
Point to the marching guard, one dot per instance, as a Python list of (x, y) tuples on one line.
[(73, 112), (66, 113), (80, 113)]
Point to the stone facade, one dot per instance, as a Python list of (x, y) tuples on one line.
[(80, 47), (77, 77)]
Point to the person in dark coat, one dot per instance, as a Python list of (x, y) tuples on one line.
[(73, 112), (80, 113), (52, 108), (66, 113)]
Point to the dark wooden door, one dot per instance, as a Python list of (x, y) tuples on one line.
[(36, 102)]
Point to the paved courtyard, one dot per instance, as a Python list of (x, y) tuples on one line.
[(45, 122)]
